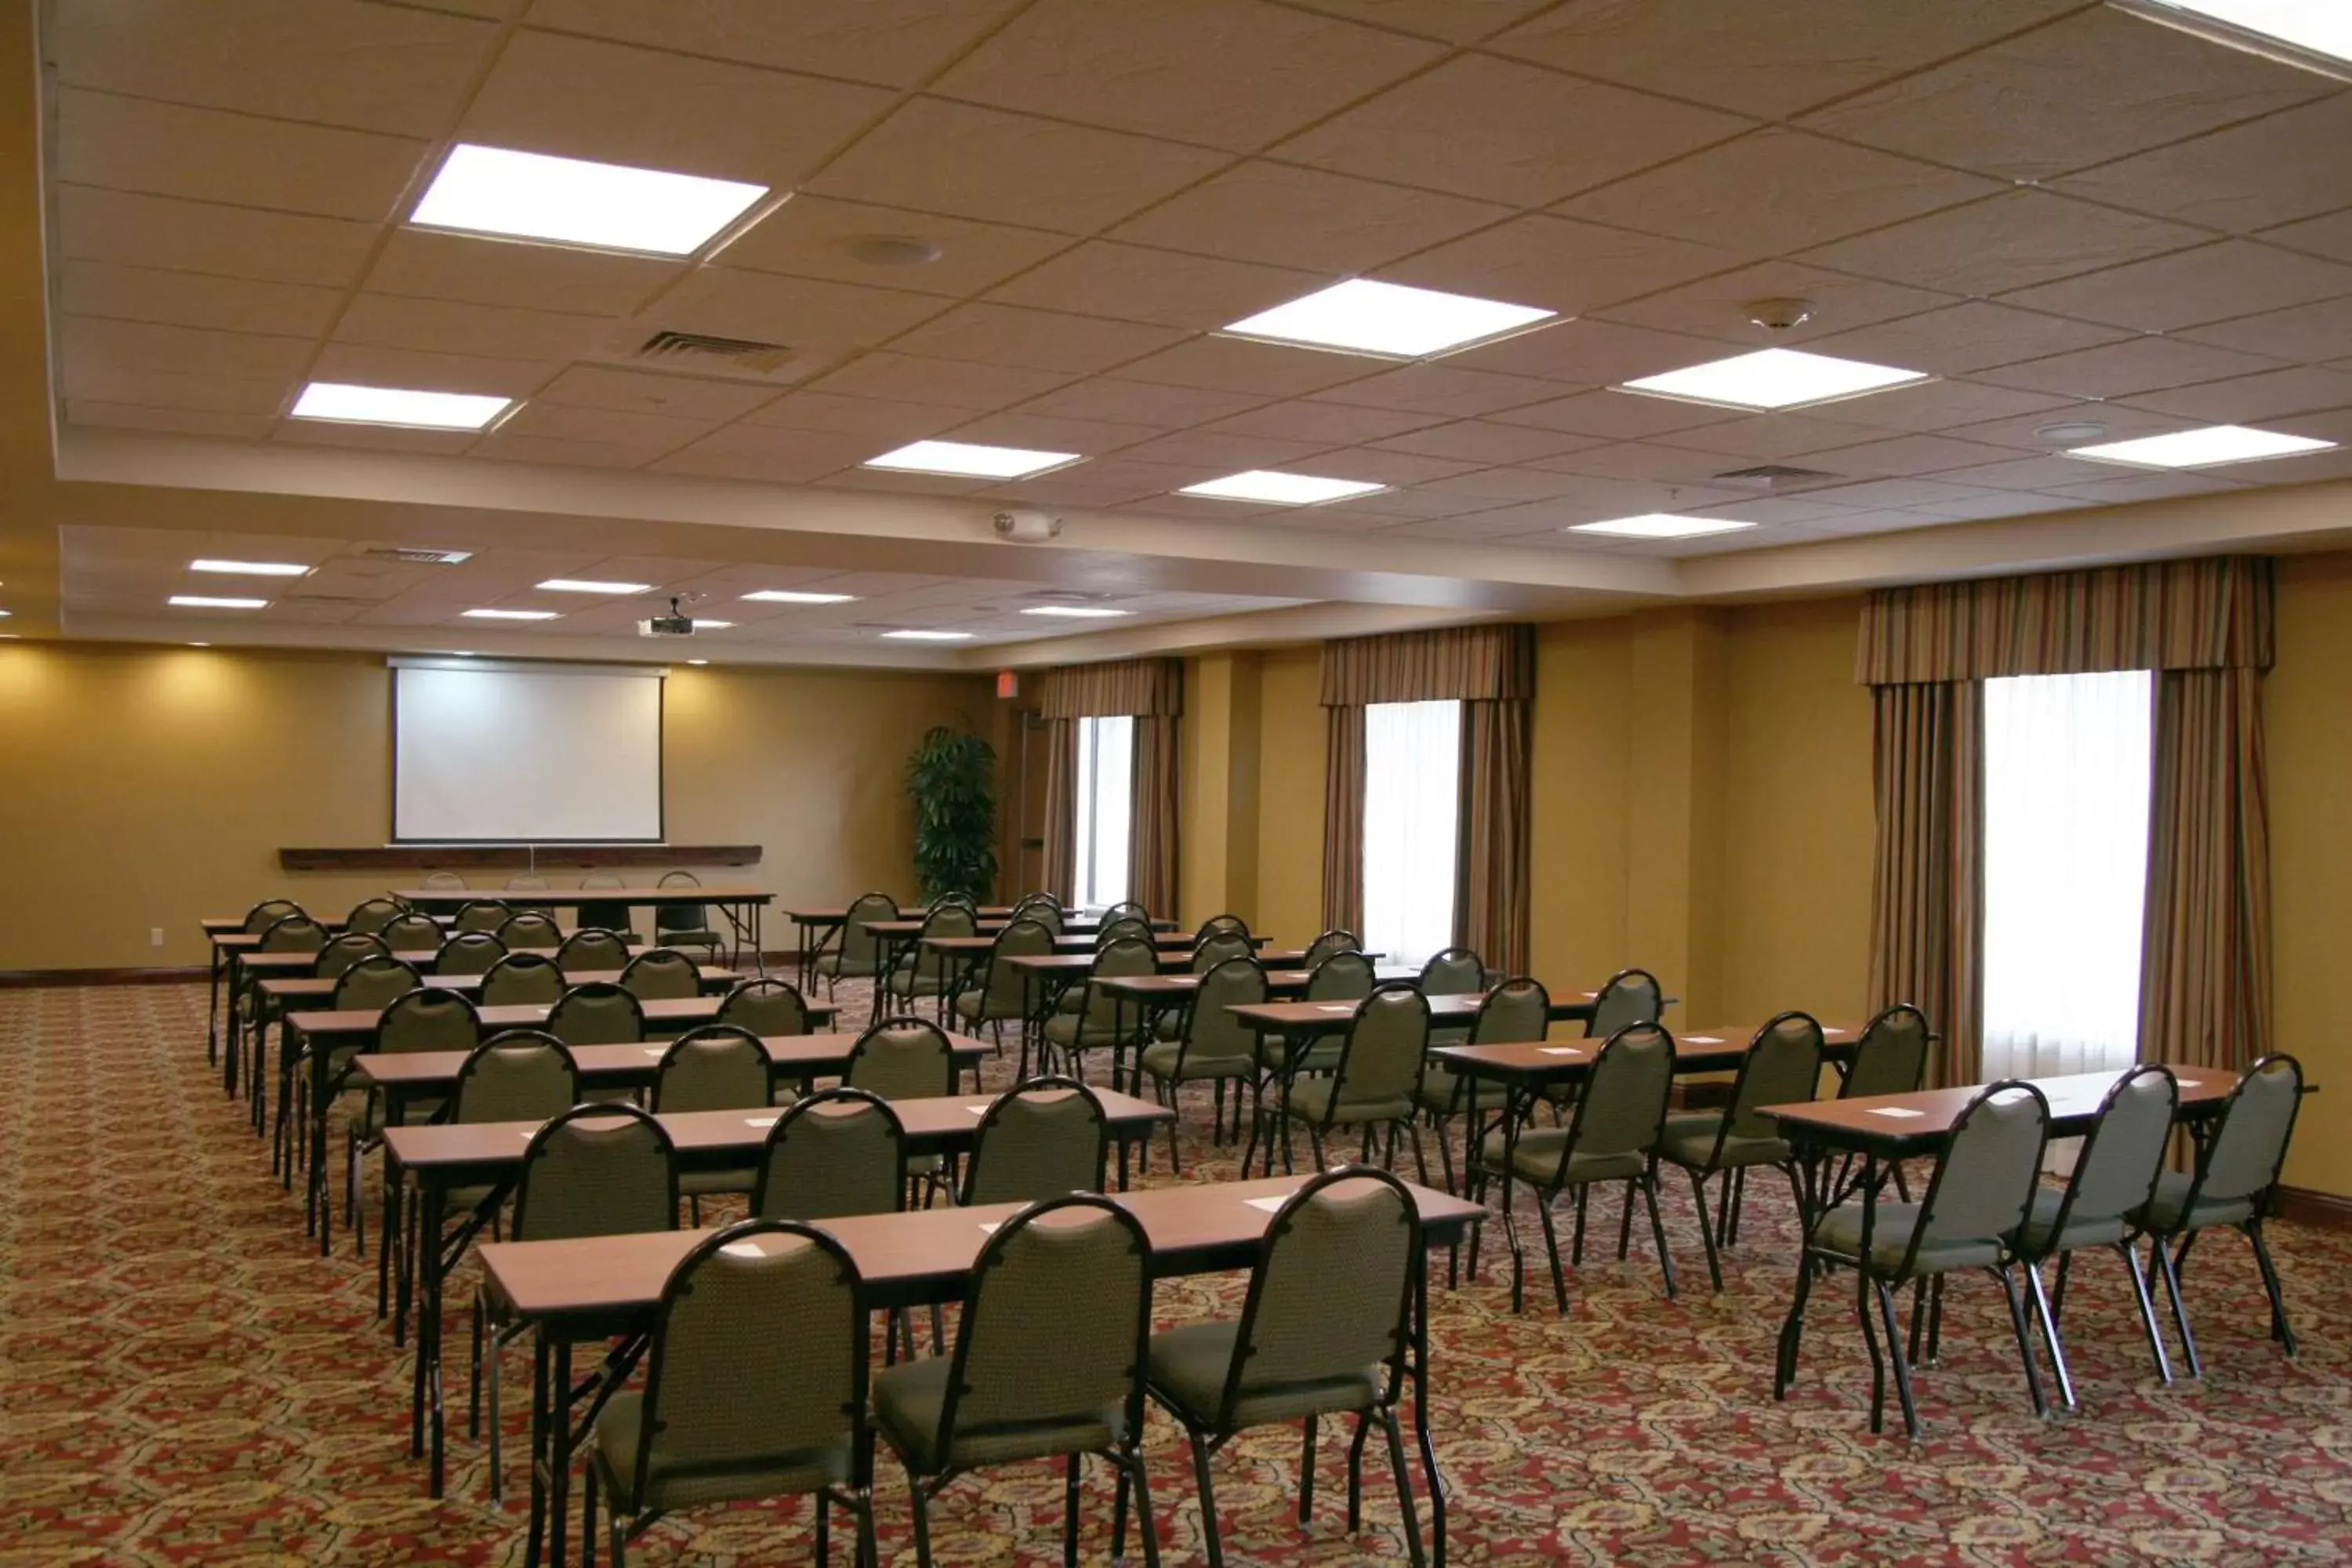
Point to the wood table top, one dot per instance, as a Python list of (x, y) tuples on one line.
[(1541, 1061), (293, 987), (913, 927), (1174, 987), (1193, 1229), (457, 898), (1172, 961), (788, 1056), (834, 915), (1898, 1124), (529, 1015), (1311, 1018), (262, 965)]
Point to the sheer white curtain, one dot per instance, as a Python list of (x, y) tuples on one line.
[(1105, 808), (1412, 782), (2067, 766)]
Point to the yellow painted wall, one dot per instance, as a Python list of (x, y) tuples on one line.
[(1289, 903), (1580, 743), (143, 787)]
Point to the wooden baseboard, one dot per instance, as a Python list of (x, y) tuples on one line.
[(2302, 1206), (17, 979)]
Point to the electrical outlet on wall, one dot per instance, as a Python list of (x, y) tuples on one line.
[(154, 936)]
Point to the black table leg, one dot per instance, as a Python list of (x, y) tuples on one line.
[(539, 1445)]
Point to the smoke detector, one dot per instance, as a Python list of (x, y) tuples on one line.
[(1780, 313), (2071, 432)]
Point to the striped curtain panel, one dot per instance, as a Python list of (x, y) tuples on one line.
[(1927, 894), (1150, 691), (1343, 818)]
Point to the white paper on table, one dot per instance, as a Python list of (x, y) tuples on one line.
[(760, 1120), (1271, 1205), (1832, 1031), (1702, 1039), (1335, 1006), (1901, 1112), (990, 1226), (1562, 1050), (655, 1050), (744, 1249)]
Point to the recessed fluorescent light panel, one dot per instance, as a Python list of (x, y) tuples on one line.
[(1281, 489), (347, 405), (589, 586), (1361, 316), (1774, 378), (1076, 611), (793, 596), (529, 195), (2203, 448), (251, 568), (2314, 34), (206, 602), (1660, 525), (512, 615), (967, 460), (919, 635)]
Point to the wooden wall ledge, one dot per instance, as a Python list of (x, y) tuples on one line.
[(520, 857)]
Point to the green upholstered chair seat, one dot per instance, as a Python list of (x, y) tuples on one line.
[(2043, 1219), (1689, 1141), (1068, 1028), (1190, 1366), (1537, 1159), (1169, 1025), (1313, 1102), (844, 965), (908, 1398), (1323, 1058), (925, 983), (1161, 1060), (703, 1184), (972, 1007), (620, 1427), (1890, 1239), (1439, 1088), (2163, 1211)]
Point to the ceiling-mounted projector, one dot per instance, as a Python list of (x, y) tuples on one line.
[(677, 623)]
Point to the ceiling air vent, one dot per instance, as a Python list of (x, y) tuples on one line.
[(1776, 477), (704, 350), (415, 556)]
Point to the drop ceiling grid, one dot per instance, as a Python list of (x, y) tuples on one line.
[(112, 381)]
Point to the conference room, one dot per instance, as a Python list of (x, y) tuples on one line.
[(1246, 781)]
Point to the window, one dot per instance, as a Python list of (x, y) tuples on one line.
[(1412, 771), (1106, 809), (2067, 805)]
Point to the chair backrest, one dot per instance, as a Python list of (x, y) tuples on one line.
[(902, 1059), (370, 916), (1004, 989), (1331, 941), (1028, 901), (1045, 912), (267, 913), (1127, 956), (605, 914), (663, 974), (1782, 1066), (1221, 947), (1221, 925), (597, 1014), (948, 920), (1457, 972), (1630, 996), (680, 917), (942, 901), (1984, 1182), (857, 943), (1623, 1109), (1344, 976), (531, 928), (469, 952), (1212, 1033), (839, 1152), (444, 880), (1332, 1291), (717, 1067), (412, 932), (2117, 1169), (766, 1006), (1891, 1057), (1128, 910), (517, 977), (1054, 1324), (340, 952), (2244, 1158), (595, 880), (596, 1170), (526, 882), (593, 951), (297, 932), (482, 914), (1519, 1010), (1127, 928), (517, 1075), (725, 1393), (428, 1020), (373, 982), (1387, 1041), (1039, 1140)]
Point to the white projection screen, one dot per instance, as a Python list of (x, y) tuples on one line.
[(507, 753)]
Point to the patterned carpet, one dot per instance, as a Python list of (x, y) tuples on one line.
[(182, 1381)]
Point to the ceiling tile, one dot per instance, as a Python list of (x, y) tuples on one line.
[(131, 144), (89, 382), (2123, 422), (2211, 283), (2310, 334), (661, 111), (1112, 481), (1377, 467), (2011, 241), (1589, 352), (1773, 435), (372, 365), (1902, 455), (896, 42), (2241, 179), (170, 421), (1616, 416), (2330, 235), (431, 266), (2126, 488), (1501, 485), (1141, 403), (1290, 217), (893, 482), (976, 163), (1477, 126), (1040, 340), (442, 326), (1769, 60), (766, 452), (1776, 510), (201, 237), (194, 299), (653, 392), (888, 423), (2118, 370), (1455, 21), (1922, 495), (1389, 507), (2094, 86), (1237, 364), (1226, 73), (1050, 433), (143, 345), (373, 437), (1717, 307), (1440, 389), (1775, 191), (1132, 283), (907, 378), (1940, 405), (1643, 460), (2048, 471), (810, 236), (1478, 441), (1559, 264), (1965, 337), (508, 446), (602, 427), (1232, 453), (2248, 399), (1333, 423), (804, 313)]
